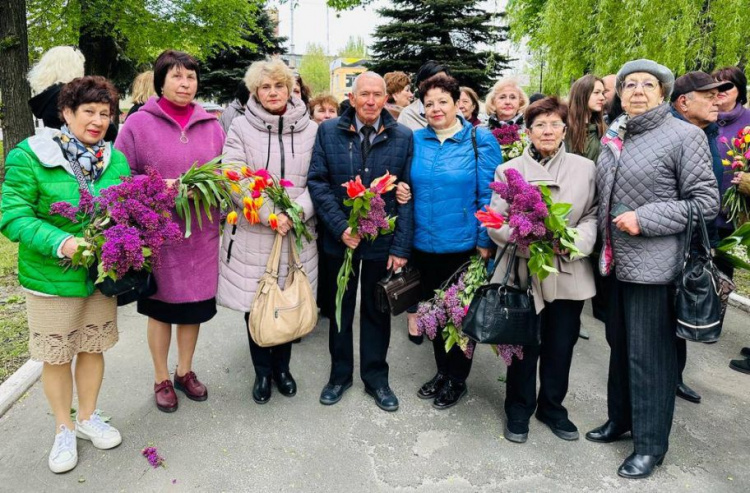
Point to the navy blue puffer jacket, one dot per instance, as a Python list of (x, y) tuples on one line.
[(449, 185), (337, 159)]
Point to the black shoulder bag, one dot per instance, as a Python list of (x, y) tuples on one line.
[(132, 286), (503, 313), (697, 301)]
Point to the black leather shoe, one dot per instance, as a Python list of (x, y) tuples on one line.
[(745, 352), (384, 398), (432, 388), (685, 392), (286, 384), (262, 389), (416, 339), (638, 466), (331, 393), (450, 395), (516, 431), (607, 433), (741, 365), (563, 428)]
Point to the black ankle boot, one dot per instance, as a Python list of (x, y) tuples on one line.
[(638, 466), (262, 389)]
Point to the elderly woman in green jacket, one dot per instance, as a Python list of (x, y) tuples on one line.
[(67, 317)]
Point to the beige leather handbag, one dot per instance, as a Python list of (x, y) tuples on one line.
[(282, 315)]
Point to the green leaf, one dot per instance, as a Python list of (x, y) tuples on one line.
[(561, 209)]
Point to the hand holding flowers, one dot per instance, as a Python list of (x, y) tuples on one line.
[(367, 220), (735, 203)]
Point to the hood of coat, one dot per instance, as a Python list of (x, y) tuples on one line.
[(295, 119), (44, 105), (199, 114), (50, 155)]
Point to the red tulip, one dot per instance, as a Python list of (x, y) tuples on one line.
[(255, 194), (251, 215), (263, 174), (355, 188), (232, 174), (384, 184), (489, 218), (273, 221), (247, 172), (286, 183)]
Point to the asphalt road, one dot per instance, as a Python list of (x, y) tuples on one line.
[(229, 443)]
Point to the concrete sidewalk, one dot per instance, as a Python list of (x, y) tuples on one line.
[(229, 443)]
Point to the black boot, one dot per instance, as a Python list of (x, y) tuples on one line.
[(450, 395), (286, 384), (639, 466), (262, 389)]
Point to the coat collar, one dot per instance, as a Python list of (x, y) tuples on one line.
[(458, 137), (50, 155), (534, 172), (649, 120), (199, 114), (346, 121)]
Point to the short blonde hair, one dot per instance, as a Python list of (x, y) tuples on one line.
[(395, 82), (59, 65), (489, 104), (274, 69), (143, 87)]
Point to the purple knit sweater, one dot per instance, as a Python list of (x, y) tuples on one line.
[(729, 124), (189, 270)]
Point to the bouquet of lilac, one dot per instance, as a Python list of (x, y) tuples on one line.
[(512, 141), (538, 224), (125, 227), (447, 309)]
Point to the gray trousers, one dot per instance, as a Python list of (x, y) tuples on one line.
[(643, 372)]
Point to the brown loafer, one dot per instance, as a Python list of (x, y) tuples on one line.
[(166, 399), (193, 388)]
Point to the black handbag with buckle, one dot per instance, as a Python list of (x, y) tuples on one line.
[(698, 297), (398, 291), (503, 313), (133, 286)]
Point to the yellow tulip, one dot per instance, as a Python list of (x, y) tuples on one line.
[(725, 162), (730, 153)]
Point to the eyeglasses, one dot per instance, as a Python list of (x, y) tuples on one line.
[(540, 127), (648, 86)]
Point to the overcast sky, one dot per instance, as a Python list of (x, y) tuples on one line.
[(310, 23)]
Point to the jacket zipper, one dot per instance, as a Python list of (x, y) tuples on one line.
[(281, 145), (351, 160)]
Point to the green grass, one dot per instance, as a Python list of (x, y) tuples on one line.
[(14, 331)]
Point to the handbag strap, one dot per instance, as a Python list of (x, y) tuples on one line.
[(272, 266), (703, 234), (512, 264), (455, 275)]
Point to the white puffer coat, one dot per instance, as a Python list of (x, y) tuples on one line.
[(283, 145)]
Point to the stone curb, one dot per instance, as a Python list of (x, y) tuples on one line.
[(739, 302), (14, 387)]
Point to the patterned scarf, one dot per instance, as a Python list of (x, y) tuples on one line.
[(538, 155), (614, 138), (89, 157)]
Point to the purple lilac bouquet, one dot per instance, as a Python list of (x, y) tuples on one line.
[(538, 224), (125, 227), (447, 309), (512, 141)]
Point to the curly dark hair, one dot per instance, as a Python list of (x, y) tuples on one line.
[(89, 89), (444, 82), (548, 106)]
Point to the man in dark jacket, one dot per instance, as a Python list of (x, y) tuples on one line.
[(694, 101), (364, 141)]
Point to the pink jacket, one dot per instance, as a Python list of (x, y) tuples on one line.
[(189, 270), (259, 139)]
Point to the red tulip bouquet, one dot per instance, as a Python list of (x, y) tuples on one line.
[(257, 184), (736, 204), (367, 219)]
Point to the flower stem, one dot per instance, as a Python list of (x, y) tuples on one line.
[(342, 280)]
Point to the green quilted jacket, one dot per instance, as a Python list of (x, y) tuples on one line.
[(36, 176)]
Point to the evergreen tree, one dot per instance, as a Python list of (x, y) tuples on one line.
[(223, 70), (453, 32)]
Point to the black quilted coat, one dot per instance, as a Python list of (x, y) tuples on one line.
[(337, 158)]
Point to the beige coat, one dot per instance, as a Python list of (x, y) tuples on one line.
[(571, 179), (290, 138)]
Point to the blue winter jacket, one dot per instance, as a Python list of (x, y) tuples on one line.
[(449, 185), (337, 158)]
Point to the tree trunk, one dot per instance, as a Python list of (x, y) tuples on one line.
[(17, 121)]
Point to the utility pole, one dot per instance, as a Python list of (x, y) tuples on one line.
[(291, 24)]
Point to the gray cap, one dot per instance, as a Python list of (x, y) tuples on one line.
[(662, 73)]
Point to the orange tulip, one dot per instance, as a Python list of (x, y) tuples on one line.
[(251, 215), (384, 184), (247, 172), (355, 188), (273, 221), (232, 218), (489, 218), (248, 203), (257, 203)]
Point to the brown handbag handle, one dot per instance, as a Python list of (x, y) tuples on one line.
[(274, 260)]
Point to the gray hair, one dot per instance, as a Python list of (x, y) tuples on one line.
[(367, 75)]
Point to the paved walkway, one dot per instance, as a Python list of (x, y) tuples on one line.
[(228, 443)]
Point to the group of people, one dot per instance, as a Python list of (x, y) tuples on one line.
[(630, 179)]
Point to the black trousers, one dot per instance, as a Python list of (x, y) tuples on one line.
[(268, 361), (561, 323), (375, 326), (434, 269), (643, 363)]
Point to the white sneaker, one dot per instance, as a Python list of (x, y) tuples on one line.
[(64, 454), (101, 434)]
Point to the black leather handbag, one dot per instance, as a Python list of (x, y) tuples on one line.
[(398, 291), (698, 297), (131, 287), (503, 313)]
